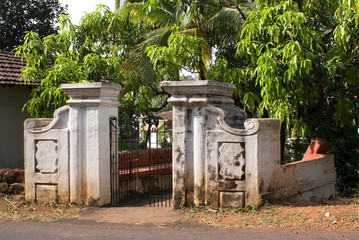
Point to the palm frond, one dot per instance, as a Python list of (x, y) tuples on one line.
[(137, 58), (157, 16), (206, 49), (156, 37), (225, 25)]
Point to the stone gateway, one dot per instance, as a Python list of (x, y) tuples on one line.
[(219, 157)]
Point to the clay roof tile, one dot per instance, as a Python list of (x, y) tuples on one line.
[(10, 70)]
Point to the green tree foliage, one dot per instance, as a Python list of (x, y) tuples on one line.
[(182, 52), (298, 61), (294, 60), (92, 51), (279, 47), (19, 16), (185, 32)]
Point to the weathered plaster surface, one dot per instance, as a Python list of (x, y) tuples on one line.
[(67, 157), (231, 161), (304, 180), (46, 156), (221, 158)]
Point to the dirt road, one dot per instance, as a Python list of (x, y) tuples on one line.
[(91, 230), (148, 223)]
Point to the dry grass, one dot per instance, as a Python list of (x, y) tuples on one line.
[(341, 214), (14, 207)]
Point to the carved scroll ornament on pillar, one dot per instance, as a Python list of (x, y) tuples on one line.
[(46, 157), (231, 161)]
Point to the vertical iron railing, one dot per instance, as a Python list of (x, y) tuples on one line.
[(140, 174), (160, 168), (128, 159), (114, 163)]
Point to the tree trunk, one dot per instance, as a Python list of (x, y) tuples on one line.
[(120, 3), (201, 69)]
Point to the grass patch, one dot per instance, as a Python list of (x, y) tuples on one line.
[(340, 214), (15, 207)]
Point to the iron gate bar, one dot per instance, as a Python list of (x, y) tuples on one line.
[(160, 195), (128, 170), (128, 173), (152, 166), (114, 163)]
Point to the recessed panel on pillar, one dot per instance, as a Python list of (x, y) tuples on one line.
[(46, 193), (231, 199), (231, 162), (46, 157)]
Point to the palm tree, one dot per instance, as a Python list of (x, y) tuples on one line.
[(218, 22)]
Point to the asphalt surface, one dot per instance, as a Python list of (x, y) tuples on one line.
[(84, 229)]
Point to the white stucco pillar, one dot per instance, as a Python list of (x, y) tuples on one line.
[(74, 143), (91, 106), (191, 121), (199, 154), (179, 155)]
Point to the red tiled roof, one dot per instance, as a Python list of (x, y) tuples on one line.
[(10, 70)]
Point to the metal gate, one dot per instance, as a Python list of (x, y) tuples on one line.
[(114, 164), (141, 164)]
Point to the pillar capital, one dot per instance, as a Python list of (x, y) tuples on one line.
[(92, 94), (198, 93)]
